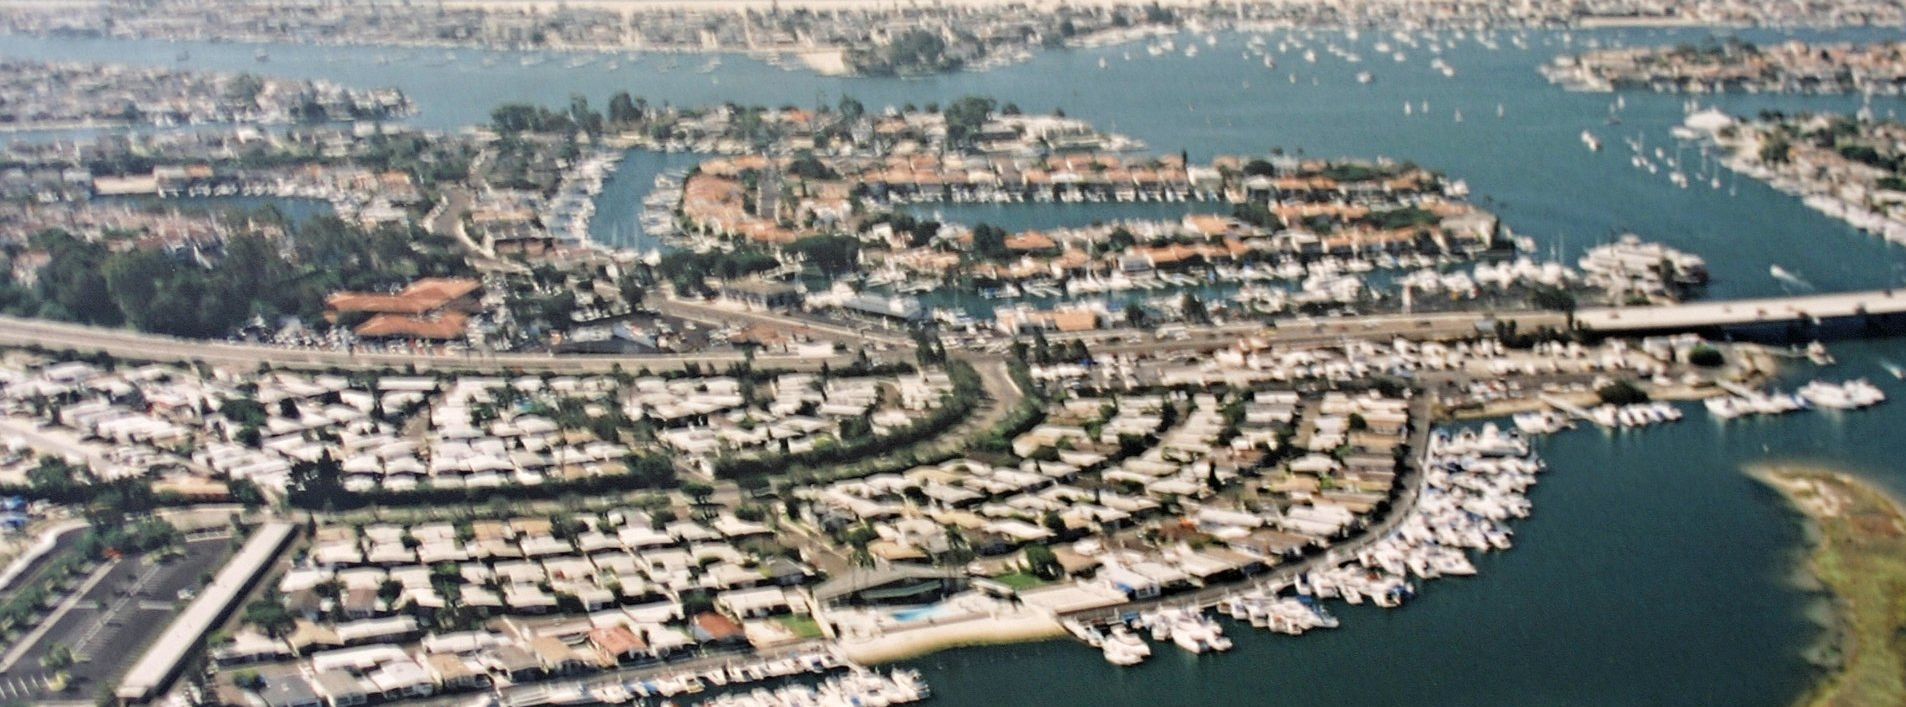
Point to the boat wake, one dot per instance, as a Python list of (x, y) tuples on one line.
[(1893, 368), (1786, 276)]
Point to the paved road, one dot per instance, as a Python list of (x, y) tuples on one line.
[(720, 314), (136, 346), (132, 345), (1310, 331)]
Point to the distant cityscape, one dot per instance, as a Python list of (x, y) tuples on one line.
[(858, 40)]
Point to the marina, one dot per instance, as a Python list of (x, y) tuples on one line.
[(812, 679), (1617, 533)]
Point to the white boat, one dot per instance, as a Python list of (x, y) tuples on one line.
[(1785, 275), (1124, 648)]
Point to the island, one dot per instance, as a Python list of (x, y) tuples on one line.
[(1847, 167), (1738, 66), (43, 96)]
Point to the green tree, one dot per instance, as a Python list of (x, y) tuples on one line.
[(832, 255), (58, 658), (989, 241), (1042, 563), (965, 117)]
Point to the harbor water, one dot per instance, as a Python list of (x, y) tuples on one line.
[(1652, 571)]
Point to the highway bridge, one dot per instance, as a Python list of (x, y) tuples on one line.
[(1804, 310)]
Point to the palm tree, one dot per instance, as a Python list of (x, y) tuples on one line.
[(958, 548), (58, 658)]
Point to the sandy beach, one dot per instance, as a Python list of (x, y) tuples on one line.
[(1025, 626)]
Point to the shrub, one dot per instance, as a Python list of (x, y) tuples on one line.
[(1621, 393)]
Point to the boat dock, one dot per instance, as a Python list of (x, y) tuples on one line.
[(1576, 411), (1277, 578)]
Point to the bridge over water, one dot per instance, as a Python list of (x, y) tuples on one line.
[(1803, 310)]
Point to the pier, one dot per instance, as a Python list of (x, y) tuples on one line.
[(1576, 411)]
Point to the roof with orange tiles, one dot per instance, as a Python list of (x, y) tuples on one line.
[(1075, 320), (617, 640), (1029, 241), (716, 626), (422, 296), (445, 327)]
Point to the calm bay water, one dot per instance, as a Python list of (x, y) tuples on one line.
[(1653, 571)]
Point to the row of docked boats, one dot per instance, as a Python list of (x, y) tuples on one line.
[(1847, 395), (1755, 404), (859, 688), (1188, 628), (1287, 615), (1124, 648), (1634, 415), (673, 685), (1476, 482), (569, 213), (658, 206), (1541, 422)]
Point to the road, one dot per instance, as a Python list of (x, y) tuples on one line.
[(710, 313), (136, 346), (447, 220), (1290, 331), (15, 331)]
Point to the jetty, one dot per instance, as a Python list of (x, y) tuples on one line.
[(1576, 411)]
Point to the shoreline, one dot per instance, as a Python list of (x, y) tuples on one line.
[(1856, 551), (1030, 627)]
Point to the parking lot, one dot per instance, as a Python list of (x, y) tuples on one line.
[(108, 626)]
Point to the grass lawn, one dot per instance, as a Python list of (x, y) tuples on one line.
[(1020, 581), (1859, 553), (803, 626)]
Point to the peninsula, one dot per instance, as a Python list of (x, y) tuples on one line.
[(1859, 555), (1736, 66)]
